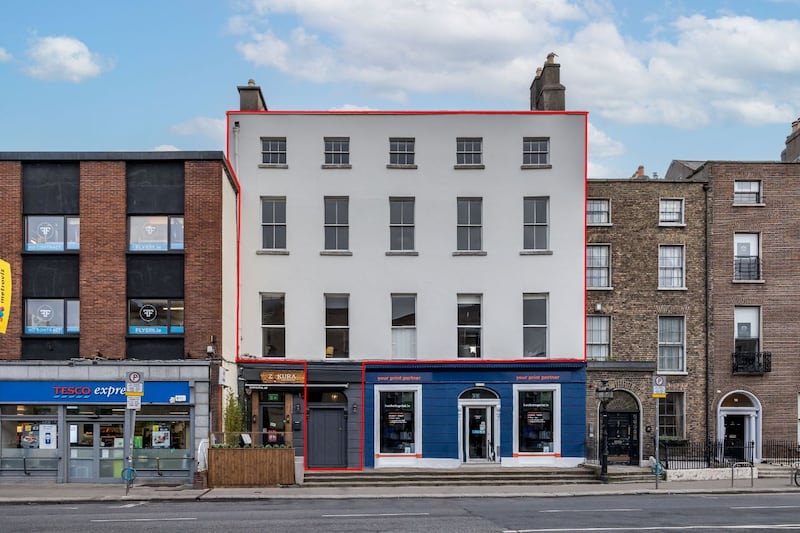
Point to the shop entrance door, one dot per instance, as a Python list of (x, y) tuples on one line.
[(478, 434), (327, 437), (96, 451)]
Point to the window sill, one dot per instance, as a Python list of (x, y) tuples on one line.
[(600, 225), (535, 167), (404, 167), (51, 252), (266, 251), (748, 281), (469, 252), (536, 252), (405, 252), (156, 252), (336, 252), (673, 372), (277, 166), (673, 289), (671, 225), (469, 167), (333, 167), (749, 205), (610, 288)]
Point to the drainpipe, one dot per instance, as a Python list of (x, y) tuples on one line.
[(707, 191)]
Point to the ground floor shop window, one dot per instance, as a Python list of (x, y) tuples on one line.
[(537, 419), (29, 439), (398, 413)]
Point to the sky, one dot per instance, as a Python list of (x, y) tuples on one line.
[(710, 80)]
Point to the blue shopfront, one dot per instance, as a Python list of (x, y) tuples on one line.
[(452, 414), (72, 430)]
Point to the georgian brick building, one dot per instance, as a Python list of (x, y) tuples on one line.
[(646, 310), (116, 261)]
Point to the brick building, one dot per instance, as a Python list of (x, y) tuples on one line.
[(754, 336), (646, 310), (116, 262)]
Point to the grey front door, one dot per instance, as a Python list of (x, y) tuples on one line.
[(327, 437)]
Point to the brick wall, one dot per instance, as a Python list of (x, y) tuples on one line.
[(10, 247), (102, 259), (777, 295), (634, 303)]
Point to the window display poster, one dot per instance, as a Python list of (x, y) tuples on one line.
[(29, 436), (160, 436), (47, 433)]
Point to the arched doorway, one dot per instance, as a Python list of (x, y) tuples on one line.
[(739, 426), (479, 420), (623, 429)]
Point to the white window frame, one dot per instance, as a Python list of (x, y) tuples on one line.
[(556, 390), (275, 224), (545, 326), (273, 326), (666, 212), (403, 224), (346, 328), (469, 299), (598, 336), (669, 343), (470, 224), (664, 268), (338, 224), (387, 459), (604, 202), (535, 152), (336, 152), (740, 192), (532, 225), (409, 329), (746, 246), (469, 152), (273, 152), (591, 266), (402, 152), (681, 417)]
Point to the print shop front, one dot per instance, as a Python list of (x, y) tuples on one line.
[(452, 414), (72, 430)]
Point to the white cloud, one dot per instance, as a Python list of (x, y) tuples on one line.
[(166, 148), (5, 57), (685, 72), (207, 128), (62, 58), (352, 107), (601, 145)]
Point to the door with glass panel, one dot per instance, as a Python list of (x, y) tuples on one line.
[(96, 451), (478, 434)]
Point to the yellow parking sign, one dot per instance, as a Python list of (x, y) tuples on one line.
[(5, 294)]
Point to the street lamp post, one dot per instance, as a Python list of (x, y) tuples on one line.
[(604, 394)]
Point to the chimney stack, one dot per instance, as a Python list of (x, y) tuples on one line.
[(547, 93), (791, 154), (639, 174), (250, 97)]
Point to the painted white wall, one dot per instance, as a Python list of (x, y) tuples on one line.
[(435, 275)]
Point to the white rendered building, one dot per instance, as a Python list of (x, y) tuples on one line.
[(413, 282)]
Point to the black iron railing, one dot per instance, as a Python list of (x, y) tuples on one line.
[(752, 362), (682, 455), (780, 452)]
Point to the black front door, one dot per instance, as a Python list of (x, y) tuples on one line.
[(623, 438), (734, 437)]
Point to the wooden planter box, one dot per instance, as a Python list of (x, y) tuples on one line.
[(250, 467)]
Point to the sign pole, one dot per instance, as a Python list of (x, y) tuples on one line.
[(658, 459), (659, 391), (134, 391)]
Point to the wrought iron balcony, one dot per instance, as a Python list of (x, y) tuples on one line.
[(752, 362), (746, 268)]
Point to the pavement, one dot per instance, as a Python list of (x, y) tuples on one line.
[(35, 491)]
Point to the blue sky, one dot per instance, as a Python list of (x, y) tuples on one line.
[(661, 80)]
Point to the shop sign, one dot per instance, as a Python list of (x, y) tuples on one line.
[(283, 377), (94, 392), (5, 294)]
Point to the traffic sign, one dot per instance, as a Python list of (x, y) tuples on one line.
[(659, 386), (134, 402)]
